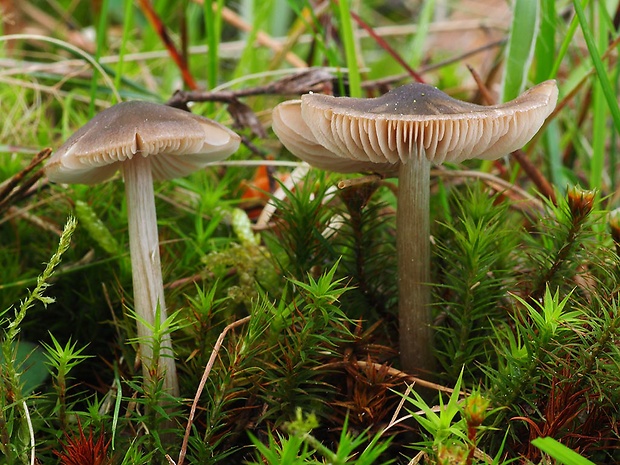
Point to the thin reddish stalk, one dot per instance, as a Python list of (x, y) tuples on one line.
[(161, 30)]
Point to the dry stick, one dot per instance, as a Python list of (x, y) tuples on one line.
[(487, 97), (203, 381), (539, 179), (492, 180), (495, 182), (406, 376), (8, 189), (299, 83)]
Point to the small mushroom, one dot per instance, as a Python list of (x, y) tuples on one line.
[(146, 141), (405, 131)]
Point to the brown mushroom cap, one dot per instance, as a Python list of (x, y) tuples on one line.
[(296, 136), (177, 142), (418, 118)]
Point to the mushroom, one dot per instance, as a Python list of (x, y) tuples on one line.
[(404, 132), (146, 141)]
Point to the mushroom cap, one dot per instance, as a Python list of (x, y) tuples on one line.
[(416, 119), (178, 143), (297, 137)]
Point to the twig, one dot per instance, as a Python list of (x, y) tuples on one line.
[(484, 90), (298, 83), (498, 184), (494, 181), (9, 189), (392, 372), (201, 386), (541, 182)]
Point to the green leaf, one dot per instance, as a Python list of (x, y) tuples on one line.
[(560, 452), (520, 47)]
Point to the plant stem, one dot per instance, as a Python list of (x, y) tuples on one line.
[(148, 284), (413, 248)]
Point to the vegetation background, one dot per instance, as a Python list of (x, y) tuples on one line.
[(525, 262)]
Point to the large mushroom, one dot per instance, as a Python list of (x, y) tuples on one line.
[(405, 131), (146, 141)]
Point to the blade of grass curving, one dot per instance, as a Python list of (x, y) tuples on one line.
[(71, 48), (347, 37), (560, 452), (127, 23), (520, 50), (568, 38), (605, 83)]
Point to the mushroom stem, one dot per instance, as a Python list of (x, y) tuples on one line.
[(148, 284), (413, 248)]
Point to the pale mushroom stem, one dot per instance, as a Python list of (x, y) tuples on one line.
[(413, 248), (148, 284)]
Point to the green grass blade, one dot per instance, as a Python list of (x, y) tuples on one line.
[(600, 113), (127, 23), (213, 29), (520, 47), (101, 35), (551, 142), (601, 72), (251, 60), (419, 39), (599, 136), (545, 43), (568, 38), (346, 32), (560, 452)]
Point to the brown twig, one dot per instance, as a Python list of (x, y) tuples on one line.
[(539, 179), (391, 372), (485, 93), (202, 383), (295, 84), (11, 190)]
